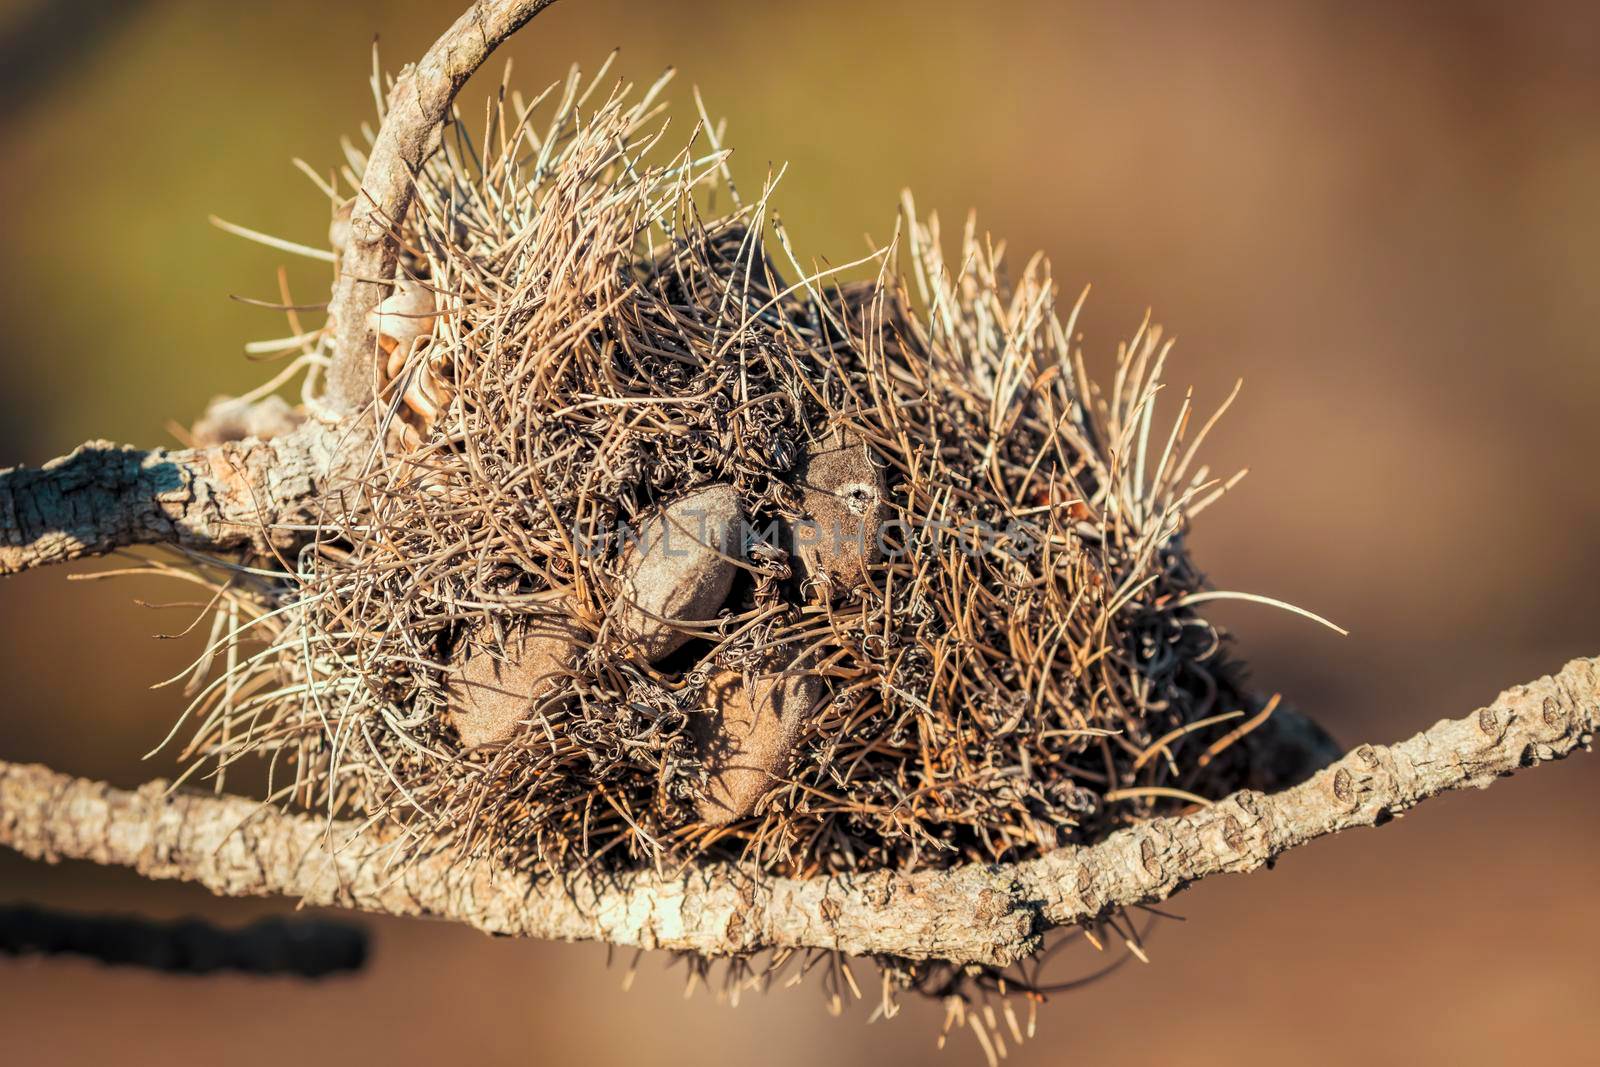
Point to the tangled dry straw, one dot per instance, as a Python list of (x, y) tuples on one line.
[(578, 347)]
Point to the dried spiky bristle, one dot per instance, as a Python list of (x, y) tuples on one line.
[(1021, 667)]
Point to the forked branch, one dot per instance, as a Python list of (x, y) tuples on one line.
[(971, 914)]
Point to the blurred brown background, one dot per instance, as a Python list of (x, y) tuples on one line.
[(1383, 216)]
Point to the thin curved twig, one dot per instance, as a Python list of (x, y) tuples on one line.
[(971, 914), (409, 133)]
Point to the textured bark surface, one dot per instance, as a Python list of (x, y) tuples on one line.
[(243, 494), (409, 133), (1526, 725), (970, 914)]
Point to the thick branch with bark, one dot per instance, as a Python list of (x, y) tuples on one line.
[(977, 914), (248, 494), (408, 135)]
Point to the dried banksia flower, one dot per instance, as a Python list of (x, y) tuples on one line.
[(669, 551)]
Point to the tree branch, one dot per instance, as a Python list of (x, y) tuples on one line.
[(409, 133), (978, 914), (305, 948), (1526, 725), (242, 494)]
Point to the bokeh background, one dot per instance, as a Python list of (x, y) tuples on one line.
[(1382, 216)]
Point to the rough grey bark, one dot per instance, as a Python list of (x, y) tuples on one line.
[(1526, 725), (994, 915), (239, 495), (409, 133)]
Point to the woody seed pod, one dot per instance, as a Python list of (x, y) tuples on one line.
[(747, 736), (844, 506), (678, 570), (491, 698)]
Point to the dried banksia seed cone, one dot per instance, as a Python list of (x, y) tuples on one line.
[(492, 698), (843, 508), (679, 569), (1043, 600), (747, 736)]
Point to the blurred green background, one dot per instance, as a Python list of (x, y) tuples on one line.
[(1381, 215)]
